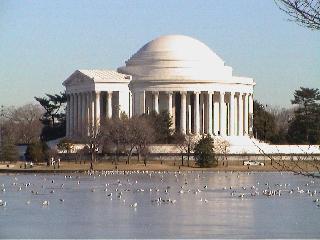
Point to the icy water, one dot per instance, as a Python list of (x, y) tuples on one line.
[(168, 205)]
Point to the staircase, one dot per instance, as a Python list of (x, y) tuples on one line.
[(245, 144)]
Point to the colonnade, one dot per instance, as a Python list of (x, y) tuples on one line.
[(196, 112), (83, 112), (218, 113)]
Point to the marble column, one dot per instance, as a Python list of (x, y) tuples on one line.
[(143, 107), (251, 113), (75, 114), (130, 105), (79, 116), (68, 116), (189, 114), (201, 113), (170, 103), (92, 113), (156, 101), (209, 105), (240, 114), (183, 113), (170, 108), (109, 102), (231, 132), (71, 114), (83, 114), (205, 113), (196, 113), (245, 114), (216, 117), (97, 110), (222, 114), (88, 119), (139, 103), (134, 108)]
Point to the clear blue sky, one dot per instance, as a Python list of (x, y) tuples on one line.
[(43, 42)]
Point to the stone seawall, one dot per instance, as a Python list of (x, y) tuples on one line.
[(221, 157)]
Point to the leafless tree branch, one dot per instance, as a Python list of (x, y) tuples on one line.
[(305, 12)]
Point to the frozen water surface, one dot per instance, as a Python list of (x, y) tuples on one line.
[(159, 205)]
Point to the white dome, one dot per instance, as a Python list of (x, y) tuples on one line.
[(175, 57)]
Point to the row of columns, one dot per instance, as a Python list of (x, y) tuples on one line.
[(83, 112), (228, 119), (203, 104)]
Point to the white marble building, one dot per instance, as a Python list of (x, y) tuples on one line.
[(171, 73)]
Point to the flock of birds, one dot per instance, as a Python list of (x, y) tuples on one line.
[(124, 182)]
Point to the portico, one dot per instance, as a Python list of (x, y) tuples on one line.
[(92, 96), (199, 112)]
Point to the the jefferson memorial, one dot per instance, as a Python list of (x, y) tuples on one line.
[(173, 73)]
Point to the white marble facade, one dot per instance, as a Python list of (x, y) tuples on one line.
[(171, 73)]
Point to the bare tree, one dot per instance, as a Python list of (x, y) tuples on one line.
[(28, 124), (221, 147), (305, 12), (282, 117), (127, 135), (186, 144), (144, 136), (115, 133), (132, 135), (93, 142), (22, 124), (180, 140)]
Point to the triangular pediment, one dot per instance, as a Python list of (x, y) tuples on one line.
[(96, 76), (77, 78)]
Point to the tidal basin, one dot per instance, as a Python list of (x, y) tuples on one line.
[(159, 205)]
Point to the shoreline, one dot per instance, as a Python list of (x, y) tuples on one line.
[(186, 169), (165, 166)]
